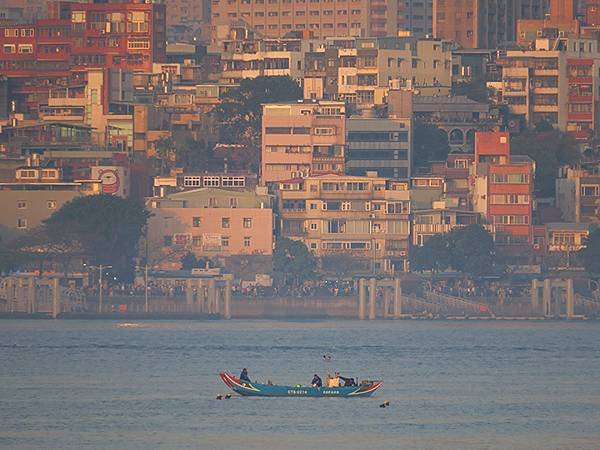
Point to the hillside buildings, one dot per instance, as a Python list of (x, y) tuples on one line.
[(557, 82)]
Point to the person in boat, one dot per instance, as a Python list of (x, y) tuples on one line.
[(348, 381), (334, 381), (244, 375), (316, 381)]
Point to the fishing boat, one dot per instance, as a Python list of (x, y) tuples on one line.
[(365, 389)]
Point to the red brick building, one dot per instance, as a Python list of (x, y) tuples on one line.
[(77, 36)]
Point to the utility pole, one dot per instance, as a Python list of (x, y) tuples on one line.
[(100, 290), (100, 267), (146, 286)]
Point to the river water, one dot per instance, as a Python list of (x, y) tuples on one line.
[(451, 385)]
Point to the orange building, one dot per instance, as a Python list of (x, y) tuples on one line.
[(561, 22), (483, 23), (503, 189)]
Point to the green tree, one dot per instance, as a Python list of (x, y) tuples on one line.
[(434, 255), (430, 143), (472, 250), (469, 250), (239, 114), (8, 257), (293, 260), (194, 155), (550, 149), (591, 253), (189, 261), (476, 90), (105, 228)]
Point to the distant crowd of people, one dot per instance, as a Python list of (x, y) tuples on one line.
[(467, 288)]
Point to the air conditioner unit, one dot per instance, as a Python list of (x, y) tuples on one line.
[(402, 253), (536, 246)]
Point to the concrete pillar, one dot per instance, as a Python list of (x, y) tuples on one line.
[(535, 294), (570, 299), (31, 295), (397, 298), (55, 298), (362, 288), (227, 300), (372, 298), (211, 296), (218, 298), (189, 292), (386, 301), (547, 297)]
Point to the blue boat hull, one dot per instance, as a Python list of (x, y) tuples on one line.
[(269, 390)]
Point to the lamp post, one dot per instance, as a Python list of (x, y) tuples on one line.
[(100, 269)]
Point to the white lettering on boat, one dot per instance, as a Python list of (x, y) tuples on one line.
[(297, 392), (330, 392)]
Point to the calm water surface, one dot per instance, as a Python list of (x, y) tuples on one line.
[(451, 385)]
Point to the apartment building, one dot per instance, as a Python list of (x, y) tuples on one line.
[(439, 220), (214, 222), (381, 145), (361, 71), (557, 83), (416, 16), (187, 12), (503, 190), (251, 57), (578, 193), (341, 216), (301, 139), (57, 52), (483, 23), (277, 18), (36, 193), (560, 22)]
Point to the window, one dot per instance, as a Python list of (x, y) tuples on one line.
[(9, 48), (133, 44), (590, 190), (197, 241), (196, 221), (247, 222), (21, 224), (25, 48), (11, 32), (224, 241), (346, 206), (511, 220), (78, 16), (313, 226), (21, 204), (51, 204), (397, 208), (192, 181), (168, 240), (511, 178), (225, 222), (233, 181), (247, 241), (212, 181), (233, 202), (324, 131)]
